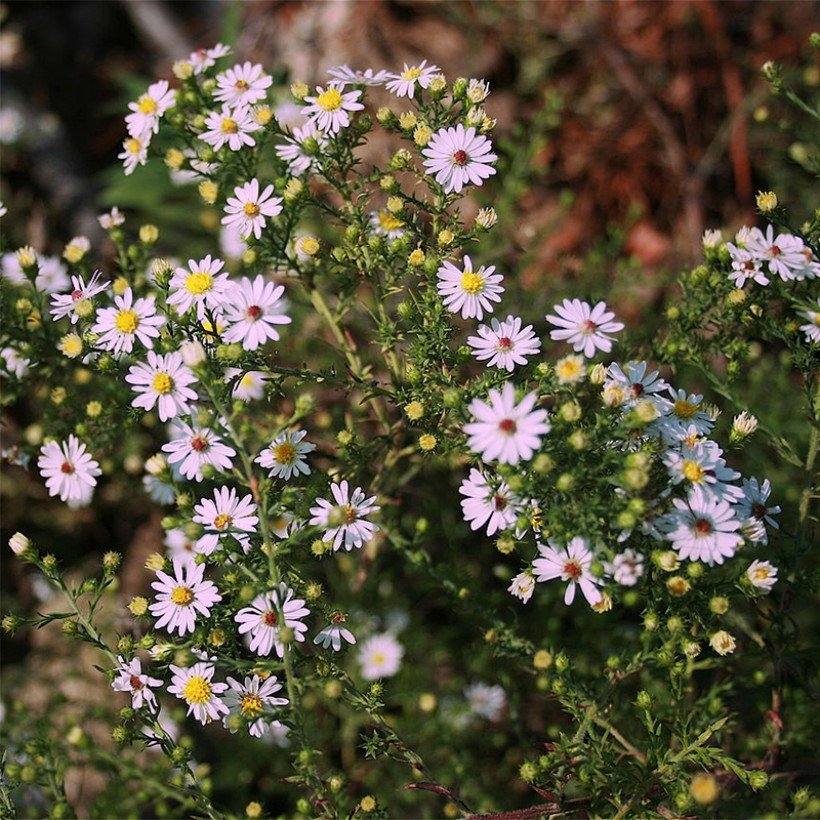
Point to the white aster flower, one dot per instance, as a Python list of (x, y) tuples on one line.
[(383, 223), (196, 687), (335, 633), (149, 108), (253, 700), (254, 308), (586, 329), (504, 430), (69, 470), (380, 656), (522, 586), (635, 382), (183, 596), (701, 463), (131, 678), (344, 520), (684, 415), (250, 386), (711, 238), (52, 275), (262, 620), (226, 514), (457, 157), (467, 291), (196, 446), (754, 505), (485, 701), (345, 75), (134, 152), (745, 266), (404, 83), (16, 364), (200, 285), (702, 528), (626, 568), (204, 58), (162, 381), (504, 344), (286, 455), (242, 85), (330, 109), (112, 219), (127, 320), (230, 126), (483, 504), (572, 565), (762, 575), (179, 545), (247, 208), (78, 302), (783, 254), (812, 327), (294, 152)]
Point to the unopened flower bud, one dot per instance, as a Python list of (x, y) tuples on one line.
[(193, 353), (19, 543), (299, 90)]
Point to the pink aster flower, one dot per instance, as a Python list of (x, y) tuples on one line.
[(504, 430)]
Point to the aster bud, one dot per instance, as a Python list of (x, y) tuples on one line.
[(19, 544)]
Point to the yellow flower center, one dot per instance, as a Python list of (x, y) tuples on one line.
[(251, 209), (126, 321), (251, 706), (348, 513), (330, 100), (761, 574), (411, 74), (133, 145), (692, 471), (816, 319), (683, 409), (147, 105), (222, 521), (568, 369), (388, 222), (182, 596), (162, 383), (378, 657), (198, 283), (284, 453), (472, 283), (246, 380), (197, 690), (229, 126)]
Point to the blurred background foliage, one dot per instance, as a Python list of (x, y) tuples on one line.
[(624, 129)]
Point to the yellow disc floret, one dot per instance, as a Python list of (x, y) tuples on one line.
[(692, 471), (684, 410), (388, 222), (412, 73), (182, 596), (471, 282), (251, 209), (197, 690), (330, 100), (222, 521), (198, 283), (147, 105), (284, 453), (251, 706), (126, 321), (162, 383)]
